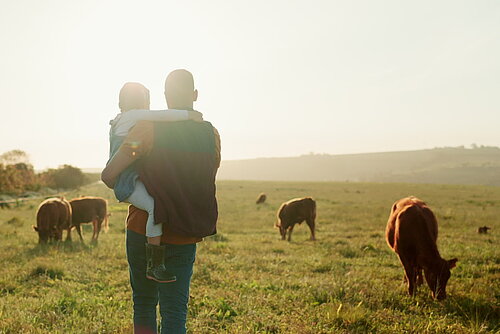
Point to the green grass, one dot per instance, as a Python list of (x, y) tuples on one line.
[(247, 280)]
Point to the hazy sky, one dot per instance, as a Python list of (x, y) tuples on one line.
[(277, 78)]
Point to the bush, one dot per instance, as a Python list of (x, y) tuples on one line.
[(65, 177), (17, 175), (15, 179)]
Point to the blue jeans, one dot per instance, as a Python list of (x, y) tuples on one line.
[(172, 297)]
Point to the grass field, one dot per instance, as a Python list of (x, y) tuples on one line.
[(247, 280)]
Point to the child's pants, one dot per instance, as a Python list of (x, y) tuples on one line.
[(141, 199)]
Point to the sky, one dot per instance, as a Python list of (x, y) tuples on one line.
[(276, 78)]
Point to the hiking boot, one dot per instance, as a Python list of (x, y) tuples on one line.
[(155, 270)]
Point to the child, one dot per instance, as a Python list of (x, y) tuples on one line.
[(134, 106)]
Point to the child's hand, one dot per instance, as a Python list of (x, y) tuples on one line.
[(194, 115)]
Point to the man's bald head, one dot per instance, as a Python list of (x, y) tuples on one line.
[(179, 90), (133, 95)]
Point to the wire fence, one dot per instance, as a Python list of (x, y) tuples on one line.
[(17, 201)]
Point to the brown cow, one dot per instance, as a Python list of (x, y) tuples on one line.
[(52, 217), (412, 232), (295, 211), (483, 229), (261, 199), (90, 209)]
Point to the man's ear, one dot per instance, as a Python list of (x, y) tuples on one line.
[(35, 228), (195, 95)]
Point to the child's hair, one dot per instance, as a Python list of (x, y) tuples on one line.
[(133, 95)]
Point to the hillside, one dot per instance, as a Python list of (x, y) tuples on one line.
[(479, 165)]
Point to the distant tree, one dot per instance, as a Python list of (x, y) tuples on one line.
[(65, 177), (4, 180), (16, 173), (14, 157), (15, 179)]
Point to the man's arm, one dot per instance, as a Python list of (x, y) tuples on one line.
[(138, 142), (217, 148), (132, 117), (169, 115), (120, 161)]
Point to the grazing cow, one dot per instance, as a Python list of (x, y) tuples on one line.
[(483, 229), (90, 209), (411, 233), (52, 217), (261, 199), (295, 211)]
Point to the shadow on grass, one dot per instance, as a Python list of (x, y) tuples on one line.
[(45, 271), (477, 314), (6, 289), (62, 246)]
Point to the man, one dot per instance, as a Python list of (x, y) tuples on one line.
[(177, 162), (134, 107)]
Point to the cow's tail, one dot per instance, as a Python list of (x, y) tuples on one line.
[(106, 223), (106, 217), (313, 208)]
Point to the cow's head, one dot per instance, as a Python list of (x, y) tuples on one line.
[(282, 232), (438, 278), (281, 228), (46, 234)]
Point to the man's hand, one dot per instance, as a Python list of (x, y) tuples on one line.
[(194, 115), (117, 165)]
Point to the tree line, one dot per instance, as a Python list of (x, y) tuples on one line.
[(17, 175)]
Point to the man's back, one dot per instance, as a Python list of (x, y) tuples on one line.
[(179, 172)]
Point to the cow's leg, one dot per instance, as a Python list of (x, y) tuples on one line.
[(290, 230), (420, 277), (411, 274), (96, 227), (310, 223), (79, 231), (68, 234), (59, 234), (94, 230), (99, 226)]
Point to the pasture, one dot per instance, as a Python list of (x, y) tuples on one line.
[(247, 280)]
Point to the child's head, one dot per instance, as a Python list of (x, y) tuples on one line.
[(133, 95)]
